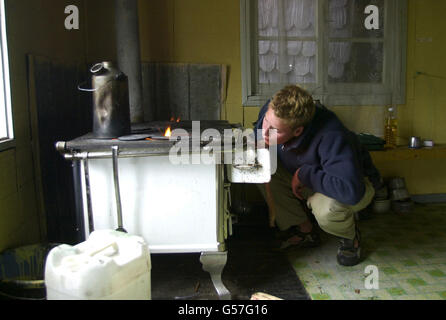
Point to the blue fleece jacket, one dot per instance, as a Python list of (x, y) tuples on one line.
[(331, 159)]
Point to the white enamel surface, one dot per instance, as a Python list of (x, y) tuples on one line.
[(173, 207)]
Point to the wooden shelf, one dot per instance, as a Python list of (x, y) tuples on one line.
[(405, 153)]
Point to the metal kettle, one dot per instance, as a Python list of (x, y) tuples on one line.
[(111, 110)]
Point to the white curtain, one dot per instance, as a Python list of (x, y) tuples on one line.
[(282, 59)]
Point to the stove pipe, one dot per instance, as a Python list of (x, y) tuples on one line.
[(128, 52)]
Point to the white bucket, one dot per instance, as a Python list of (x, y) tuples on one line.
[(110, 265)]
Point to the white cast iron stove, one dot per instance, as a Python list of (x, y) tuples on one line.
[(131, 183)]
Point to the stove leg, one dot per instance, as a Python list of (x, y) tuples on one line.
[(214, 263)]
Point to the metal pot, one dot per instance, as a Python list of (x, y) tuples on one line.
[(400, 194), (111, 111), (397, 183)]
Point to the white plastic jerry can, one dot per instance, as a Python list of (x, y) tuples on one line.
[(110, 265)]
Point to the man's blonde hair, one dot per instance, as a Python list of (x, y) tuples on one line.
[(294, 105)]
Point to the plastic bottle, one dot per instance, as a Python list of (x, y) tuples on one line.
[(109, 265), (390, 127)]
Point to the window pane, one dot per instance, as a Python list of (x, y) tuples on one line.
[(347, 19), (355, 62), (268, 61), (5, 111), (299, 18), (281, 57), (295, 62), (352, 56), (268, 18), (3, 106), (3, 123)]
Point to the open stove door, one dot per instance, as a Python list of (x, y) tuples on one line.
[(251, 166)]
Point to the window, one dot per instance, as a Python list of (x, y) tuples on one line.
[(344, 52), (6, 129)]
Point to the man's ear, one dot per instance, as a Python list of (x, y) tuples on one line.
[(298, 131)]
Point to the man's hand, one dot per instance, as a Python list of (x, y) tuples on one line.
[(296, 185)]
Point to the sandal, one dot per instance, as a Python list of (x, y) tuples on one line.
[(293, 237)]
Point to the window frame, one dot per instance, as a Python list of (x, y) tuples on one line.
[(6, 120), (391, 91)]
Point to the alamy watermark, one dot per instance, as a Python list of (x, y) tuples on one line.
[(371, 280), (371, 22), (211, 146), (72, 20)]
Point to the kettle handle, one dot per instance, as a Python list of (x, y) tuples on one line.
[(79, 87), (117, 77), (93, 89), (94, 69)]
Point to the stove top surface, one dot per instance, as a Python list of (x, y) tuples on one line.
[(151, 136)]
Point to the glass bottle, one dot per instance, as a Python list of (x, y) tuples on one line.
[(390, 127)]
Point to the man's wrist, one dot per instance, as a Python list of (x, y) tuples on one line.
[(297, 173)]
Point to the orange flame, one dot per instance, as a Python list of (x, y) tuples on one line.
[(168, 132), (172, 119), (178, 119)]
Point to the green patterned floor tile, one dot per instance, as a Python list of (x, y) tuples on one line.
[(438, 260), (300, 264), (416, 282), (413, 297), (404, 276), (387, 284), (381, 294), (383, 253), (409, 251), (433, 296), (389, 270), (396, 291), (441, 267), (320, 296), (322, 275), (335, 293), (309, 280), (409, 289), (409, 263), (433, 288), (425, 255), (401, 267), (436, 273), (430, 279)]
